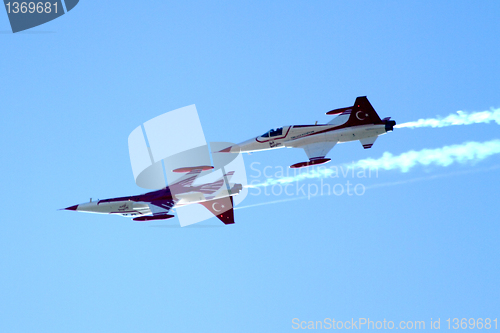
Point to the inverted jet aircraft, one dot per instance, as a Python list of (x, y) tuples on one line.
[(156, 205), (357, 122)]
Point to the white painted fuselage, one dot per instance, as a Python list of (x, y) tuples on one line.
[(303, 135)]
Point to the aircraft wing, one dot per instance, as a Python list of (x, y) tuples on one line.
[(318, 149), (159, 210), (188, 179), (160, 207)]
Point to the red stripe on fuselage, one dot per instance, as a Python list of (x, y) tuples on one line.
[(333, 129)]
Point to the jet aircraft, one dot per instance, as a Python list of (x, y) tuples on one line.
[(357, 122), (156, 205)]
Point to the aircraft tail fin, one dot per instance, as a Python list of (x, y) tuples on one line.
[(363, 113), (222, 208)]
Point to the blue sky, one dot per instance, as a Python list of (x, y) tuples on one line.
[(424, 245)]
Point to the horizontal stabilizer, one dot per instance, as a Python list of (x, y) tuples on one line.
[(368, 142), (228, 175)]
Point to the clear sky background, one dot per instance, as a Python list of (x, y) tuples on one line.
[(71, 91)]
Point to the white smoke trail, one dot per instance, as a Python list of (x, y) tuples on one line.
[(461, 118), (444, 156), (271, 202), (432, 177), (387, 184)]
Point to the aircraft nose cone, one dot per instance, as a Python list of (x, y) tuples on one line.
[(72, 207), (230, 149)]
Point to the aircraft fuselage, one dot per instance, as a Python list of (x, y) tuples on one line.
[(301, 135)]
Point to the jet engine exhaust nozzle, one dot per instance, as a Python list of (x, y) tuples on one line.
[(389, 125), (236, 188)]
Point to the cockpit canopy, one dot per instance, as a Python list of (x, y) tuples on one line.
[(273, 133)]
